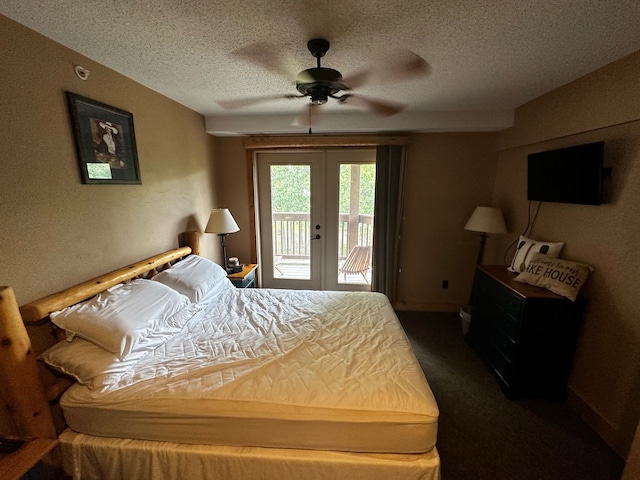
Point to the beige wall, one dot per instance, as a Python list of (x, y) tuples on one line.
[(235, 193), (55, 231), (603, 105), (50, 219), (447, 176)]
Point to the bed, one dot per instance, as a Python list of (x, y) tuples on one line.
[(232, 383)]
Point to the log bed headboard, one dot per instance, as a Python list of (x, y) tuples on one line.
[(21, 390)]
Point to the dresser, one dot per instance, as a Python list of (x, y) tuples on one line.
[(525, 334)]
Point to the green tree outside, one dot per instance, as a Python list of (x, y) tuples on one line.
[(290, 191), (290, 188), (367, 187)]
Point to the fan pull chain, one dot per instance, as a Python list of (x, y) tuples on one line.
[(310, 120)]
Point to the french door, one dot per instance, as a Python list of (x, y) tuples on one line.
[(315, 208)]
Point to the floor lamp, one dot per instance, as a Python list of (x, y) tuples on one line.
[(221, 222), (486, 220)]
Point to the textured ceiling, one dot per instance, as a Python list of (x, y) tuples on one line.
[(486, 56)]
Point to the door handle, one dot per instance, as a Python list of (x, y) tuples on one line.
[(317, 237)]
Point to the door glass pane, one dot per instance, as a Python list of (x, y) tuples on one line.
[(355, 222), (290, 217)]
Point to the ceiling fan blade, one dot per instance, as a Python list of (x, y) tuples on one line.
[(357, 79), (379, 107), (267, 57), (402, 65), (250, 101)]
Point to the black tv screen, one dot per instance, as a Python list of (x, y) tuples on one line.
[(567, 175)]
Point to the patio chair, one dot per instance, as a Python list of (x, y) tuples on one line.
[(358, 261), (276, 263)]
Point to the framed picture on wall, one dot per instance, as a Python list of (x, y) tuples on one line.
[(105, 142)]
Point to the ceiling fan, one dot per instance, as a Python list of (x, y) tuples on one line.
[(319, 83)]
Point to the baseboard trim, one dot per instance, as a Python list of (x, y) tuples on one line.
[(592, 418), (428, 307)]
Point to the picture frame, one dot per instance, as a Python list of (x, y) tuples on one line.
[(105, 142)]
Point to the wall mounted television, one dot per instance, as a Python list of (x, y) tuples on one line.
[(567, 175)]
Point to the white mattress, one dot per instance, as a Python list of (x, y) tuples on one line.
[(273, 368)]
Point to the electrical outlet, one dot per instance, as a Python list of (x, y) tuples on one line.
[(445, 283)]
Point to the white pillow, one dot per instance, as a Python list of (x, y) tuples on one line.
[(93, 366), (86, 361), (129, 315), (194, 277), (528, 247)]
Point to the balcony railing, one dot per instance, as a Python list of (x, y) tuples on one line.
[(292, 234)]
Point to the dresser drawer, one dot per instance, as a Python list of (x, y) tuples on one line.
[(497, 339), (495, 317), (505, 344), (500, 364), (500, 295)]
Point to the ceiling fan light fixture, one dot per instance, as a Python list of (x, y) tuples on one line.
[(318, 96)]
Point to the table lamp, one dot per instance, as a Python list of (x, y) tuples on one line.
[(221, 222), (486, 220)]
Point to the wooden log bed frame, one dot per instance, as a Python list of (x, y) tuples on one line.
[(22, 393)]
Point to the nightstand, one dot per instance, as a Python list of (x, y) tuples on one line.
[(14, 466), (246, 278)]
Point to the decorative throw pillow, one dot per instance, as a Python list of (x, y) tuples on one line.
[(559, 276), (528, 247)]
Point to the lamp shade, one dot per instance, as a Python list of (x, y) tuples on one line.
[(486, 220), (221, 221)]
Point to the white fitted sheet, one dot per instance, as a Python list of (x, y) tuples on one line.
[(273, 368)]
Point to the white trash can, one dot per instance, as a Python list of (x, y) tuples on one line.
[(465, 317)]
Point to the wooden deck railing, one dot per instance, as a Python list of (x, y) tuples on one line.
[(292, 234)]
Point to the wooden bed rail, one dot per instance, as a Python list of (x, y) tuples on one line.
[(39, 309)]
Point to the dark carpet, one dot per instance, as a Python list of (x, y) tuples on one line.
[(484, 435)]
